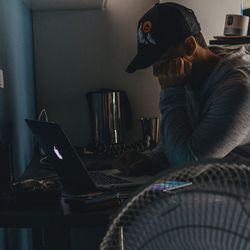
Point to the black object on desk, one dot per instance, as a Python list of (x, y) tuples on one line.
[(230, 40), (97, 200), (39, 184)]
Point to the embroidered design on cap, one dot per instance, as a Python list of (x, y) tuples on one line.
[(145, 38), (147, 26)]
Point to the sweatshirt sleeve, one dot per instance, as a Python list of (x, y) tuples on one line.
[(224, 126), (157, 158)]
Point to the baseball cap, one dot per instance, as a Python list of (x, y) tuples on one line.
[(162, 26)]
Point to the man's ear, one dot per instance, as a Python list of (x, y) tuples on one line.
[(190, 45)]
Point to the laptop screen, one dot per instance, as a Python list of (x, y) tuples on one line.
[(58, 148)]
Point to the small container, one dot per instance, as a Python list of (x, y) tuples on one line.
[(236, 25), (150, 131)]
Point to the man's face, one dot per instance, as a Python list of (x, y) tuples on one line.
[(170, 54), (173, 68)]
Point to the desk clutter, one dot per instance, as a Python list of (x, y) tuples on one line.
[(59, 169), (47, 192), (97, 200), (35, 191), (236, 31), (230, 40), (41, 185), (110, 120), (38, 184)]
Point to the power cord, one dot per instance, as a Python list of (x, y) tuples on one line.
[(44, 160), (43, 112), (43, 117)]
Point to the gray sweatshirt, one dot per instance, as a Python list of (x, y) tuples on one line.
[(212, 122)]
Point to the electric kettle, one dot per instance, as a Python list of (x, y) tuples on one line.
[(110, 116)]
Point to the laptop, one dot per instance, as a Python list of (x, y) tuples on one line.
[(71, 168)]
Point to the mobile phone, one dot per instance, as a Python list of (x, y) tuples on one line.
[(170, 185)]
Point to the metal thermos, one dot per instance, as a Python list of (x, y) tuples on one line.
[(110, 115)]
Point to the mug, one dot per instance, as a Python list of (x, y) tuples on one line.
[(236, 25), (150, 130)]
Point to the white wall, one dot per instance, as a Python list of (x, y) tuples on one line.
[(64, 4), (211, 14), (246, 4), (81, 51)]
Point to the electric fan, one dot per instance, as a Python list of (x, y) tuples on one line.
[(210, 213)]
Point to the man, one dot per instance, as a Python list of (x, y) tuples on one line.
[(205, 96)]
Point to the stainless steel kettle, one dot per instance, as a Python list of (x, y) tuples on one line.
[(110, 116)]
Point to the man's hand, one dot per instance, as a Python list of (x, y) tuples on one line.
[(172, 72), (132, 163)]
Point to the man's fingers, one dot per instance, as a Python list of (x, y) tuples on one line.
[(179, 67), (187, 66), (173, 72), (130, 163), (156, 69), (125, 159), (171, 69), (121, 162), (117, 164)]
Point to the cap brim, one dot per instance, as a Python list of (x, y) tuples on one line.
[(144, 59)]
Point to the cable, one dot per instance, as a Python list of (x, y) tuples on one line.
[(43, 112), (43, 160)]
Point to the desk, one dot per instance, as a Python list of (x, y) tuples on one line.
[(51, 224)]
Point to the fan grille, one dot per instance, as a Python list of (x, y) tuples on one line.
[(213, 213)]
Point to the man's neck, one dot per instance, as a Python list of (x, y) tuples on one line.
[(202, 68)]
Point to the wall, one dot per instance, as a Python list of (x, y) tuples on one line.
[(17, 63), (65, 4), (81, 51), (211, 14), (17, 98), (246, 4), (2, 106)]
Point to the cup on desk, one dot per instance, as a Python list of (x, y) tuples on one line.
[(236, 25), (150, 131)]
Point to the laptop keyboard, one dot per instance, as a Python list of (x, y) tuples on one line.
[(103, 179)]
